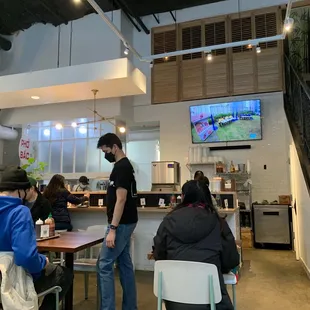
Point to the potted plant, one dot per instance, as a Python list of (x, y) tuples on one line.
[(35, 169)]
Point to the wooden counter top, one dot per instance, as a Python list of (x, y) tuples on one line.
[(143, 210), (149, 193)]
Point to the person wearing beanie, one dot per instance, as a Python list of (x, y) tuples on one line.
[(83, 185), (39, 206), (17, 235)]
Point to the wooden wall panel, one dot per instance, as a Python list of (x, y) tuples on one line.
[(233, 71), (165, 82), (191, 79), (243, 73), (216, 77), (269, 73)]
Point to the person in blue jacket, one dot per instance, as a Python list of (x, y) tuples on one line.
[(17, 235)]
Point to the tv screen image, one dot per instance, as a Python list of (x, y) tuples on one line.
[(224, 122)]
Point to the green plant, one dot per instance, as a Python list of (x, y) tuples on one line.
[(34, 169)]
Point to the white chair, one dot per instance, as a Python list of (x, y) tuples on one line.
[(231, 279), (53, 290), (187, 283)]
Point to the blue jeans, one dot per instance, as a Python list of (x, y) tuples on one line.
[(105, 269)]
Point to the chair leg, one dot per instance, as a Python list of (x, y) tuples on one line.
[(159, 298), (86, 281), (234, 297), (211, 292), (57, 301)]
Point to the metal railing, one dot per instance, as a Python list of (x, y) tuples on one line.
[(297, 104)]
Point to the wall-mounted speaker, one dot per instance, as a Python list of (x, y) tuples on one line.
[(231, 147)]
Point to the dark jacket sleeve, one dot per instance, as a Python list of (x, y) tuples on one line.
[(73, 199), (229, 256), (44, 207), (160, 243)]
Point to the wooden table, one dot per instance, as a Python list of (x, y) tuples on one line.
[(70, 243)]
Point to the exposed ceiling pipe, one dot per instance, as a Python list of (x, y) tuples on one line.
[(205, 49), (98, 9), (7, 133), (125, 6), (5, 44)]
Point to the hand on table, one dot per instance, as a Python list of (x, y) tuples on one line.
[(110, 239)]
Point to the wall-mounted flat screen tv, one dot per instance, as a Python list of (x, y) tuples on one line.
[(225, 122)]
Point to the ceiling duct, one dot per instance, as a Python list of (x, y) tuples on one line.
[(5, 44), (7, 133)]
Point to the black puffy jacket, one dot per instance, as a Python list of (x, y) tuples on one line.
[(195, 234), (59, 206)]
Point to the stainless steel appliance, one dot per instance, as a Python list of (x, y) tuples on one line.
[(271, 224), (165, 176)]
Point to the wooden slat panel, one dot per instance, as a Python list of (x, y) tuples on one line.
[(243, 73), (269, 70), (216, 77), (241, 30), (165, 82), (165, 42), (191, 38), (266, 26), (215, 34), (192, 79)]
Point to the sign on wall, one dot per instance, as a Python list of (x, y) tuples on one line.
[(25, 150)]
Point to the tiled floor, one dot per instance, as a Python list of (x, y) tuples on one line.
[(270, 280)]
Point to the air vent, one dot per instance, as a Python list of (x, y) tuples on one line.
[(191, 38), (216, 34), (164, 42)]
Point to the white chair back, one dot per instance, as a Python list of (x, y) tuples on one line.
[(186, 282)]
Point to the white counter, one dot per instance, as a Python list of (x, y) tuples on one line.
[(149, 221)]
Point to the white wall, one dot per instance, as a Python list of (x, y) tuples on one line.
[(302, 200), (37, 47), (175, 139)]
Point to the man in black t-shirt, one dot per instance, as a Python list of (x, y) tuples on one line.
[(122, 218)]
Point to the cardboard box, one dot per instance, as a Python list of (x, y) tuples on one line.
[(247, 238), (285, 199)]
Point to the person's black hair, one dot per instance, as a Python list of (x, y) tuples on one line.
[(198, 176), (206, 181), (56, 184), (108, 140), (196, 193)]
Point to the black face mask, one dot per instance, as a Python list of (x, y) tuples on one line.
[(110, 157)]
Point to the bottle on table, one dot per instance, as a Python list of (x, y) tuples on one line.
[(50, 221), (39, 224), (232, 167)]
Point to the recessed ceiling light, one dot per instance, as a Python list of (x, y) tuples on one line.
[(122, 129), (46, 132), (58, 126), (83, 130), (77, 1), (74, 124), (35, 97)]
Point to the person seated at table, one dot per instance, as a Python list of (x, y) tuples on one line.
[(59, 197), (198, 176), (39, 206), (83, 185), (194, 231), (17, 235)]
